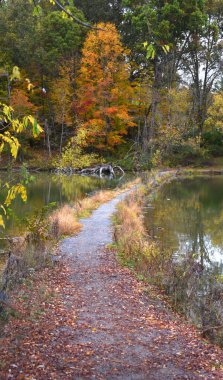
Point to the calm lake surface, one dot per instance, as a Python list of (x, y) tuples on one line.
[(44, 189), (186, 219)]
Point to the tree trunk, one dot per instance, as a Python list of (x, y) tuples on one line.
[(61, 136), (155, 100), (47, 131)]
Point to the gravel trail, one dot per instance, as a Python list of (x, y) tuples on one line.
[(122, 332)]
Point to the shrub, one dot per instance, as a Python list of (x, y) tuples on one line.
[(73, 154)]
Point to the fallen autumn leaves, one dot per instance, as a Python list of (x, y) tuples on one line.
[(39, 344), (30, 346)]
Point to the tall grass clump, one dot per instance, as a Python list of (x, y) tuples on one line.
[(134, 245), (64, 221)]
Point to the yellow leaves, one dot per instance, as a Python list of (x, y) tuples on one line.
[(15, 126), (30, 86), (80, 138), (65, 15), (11, 141), (4, 210), (15, 73), (2, 224), (215, 113), (6, 112), (61, 94), (15, 190), (166, 48)]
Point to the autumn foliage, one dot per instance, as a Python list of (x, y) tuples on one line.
[(104, 91), (21, 103)]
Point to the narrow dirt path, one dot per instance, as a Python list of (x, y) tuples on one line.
[(121, 332), (89, 318)]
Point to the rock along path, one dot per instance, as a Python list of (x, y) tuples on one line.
[(122, 332)]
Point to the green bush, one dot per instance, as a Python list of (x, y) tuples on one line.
[(213, 141)]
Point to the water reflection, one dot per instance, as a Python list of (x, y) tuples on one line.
[(47, 188), (187, 222)]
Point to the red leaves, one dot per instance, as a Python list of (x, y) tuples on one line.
[(104, 91)]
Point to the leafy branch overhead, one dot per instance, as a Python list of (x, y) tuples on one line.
[(14, 127), (11, 128), (66, 11)]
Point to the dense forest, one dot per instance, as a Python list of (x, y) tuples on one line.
[(135, 82)]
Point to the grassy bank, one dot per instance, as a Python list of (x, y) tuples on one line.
[(136, 249)]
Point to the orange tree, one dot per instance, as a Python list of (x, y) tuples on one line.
[(104, 92)]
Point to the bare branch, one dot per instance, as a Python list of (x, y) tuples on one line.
[(77, 20)]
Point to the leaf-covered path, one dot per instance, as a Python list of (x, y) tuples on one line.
[(102, 323)]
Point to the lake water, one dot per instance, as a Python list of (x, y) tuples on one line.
[(44, 189), (186, 219)]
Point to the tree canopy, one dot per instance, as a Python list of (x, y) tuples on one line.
[(128, 62)]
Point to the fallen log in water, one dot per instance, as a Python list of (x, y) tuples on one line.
[(98, 170), (102, 169)]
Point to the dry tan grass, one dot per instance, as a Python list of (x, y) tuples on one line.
[(130, 234), (87, 205), (129, 229), (64, 221)]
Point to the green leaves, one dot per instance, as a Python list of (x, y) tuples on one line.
[(152, 49), (36, 128), (37, 11)]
